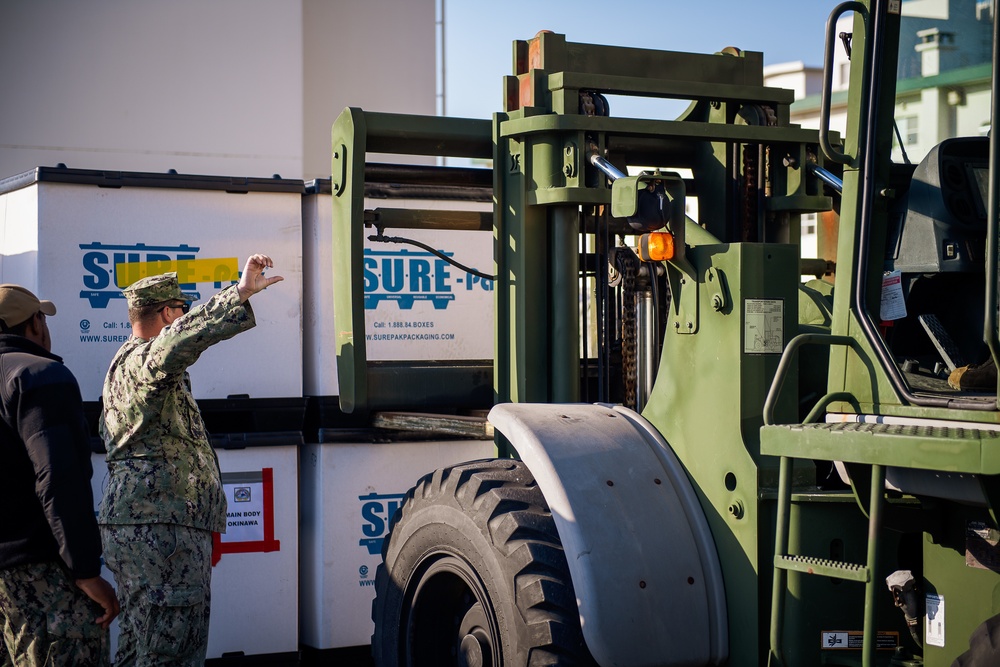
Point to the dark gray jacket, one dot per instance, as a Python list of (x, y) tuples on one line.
[(45, 469)]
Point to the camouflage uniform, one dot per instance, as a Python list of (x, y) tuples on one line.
[(164, 572), (164, 495), (48, 620)]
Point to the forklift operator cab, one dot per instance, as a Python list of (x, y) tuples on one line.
[(934, 259)]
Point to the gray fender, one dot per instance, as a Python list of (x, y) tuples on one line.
[(643, 562)]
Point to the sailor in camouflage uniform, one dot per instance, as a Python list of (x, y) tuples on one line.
[(55, 608), (164, 496)]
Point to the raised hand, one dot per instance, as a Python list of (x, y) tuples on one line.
[(253, 279)]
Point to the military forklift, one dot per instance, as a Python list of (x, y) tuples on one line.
[(701, 459)]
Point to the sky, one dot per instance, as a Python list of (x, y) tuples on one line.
[(479, 34)]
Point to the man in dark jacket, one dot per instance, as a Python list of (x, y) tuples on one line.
[(55, 608)]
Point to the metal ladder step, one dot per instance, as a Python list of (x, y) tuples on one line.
[(837, 569), (824, 568), (942, 341)]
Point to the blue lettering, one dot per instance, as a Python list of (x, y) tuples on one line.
[(393, 276), (162, 260), (99, 278), (128, 259), (485, 283), (184, 272), (404, 278), (371, 278), (441, 274), (376, 524), (224, 274), (393, 506), (420, 275)]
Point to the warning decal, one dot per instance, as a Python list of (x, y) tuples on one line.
[(934, 620), (763, 320), (854, 640)]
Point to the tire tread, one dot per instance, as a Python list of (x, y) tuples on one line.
[(503, 499)]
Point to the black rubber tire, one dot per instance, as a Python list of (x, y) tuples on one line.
[(474, 574)]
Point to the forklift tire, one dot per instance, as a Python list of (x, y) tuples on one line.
[(474, 573)]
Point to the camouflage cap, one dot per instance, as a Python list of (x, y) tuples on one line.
[(18, 304), (155, 289)]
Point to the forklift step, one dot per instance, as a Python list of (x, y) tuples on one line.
[(942, 341), (824, 568), (952, 448)]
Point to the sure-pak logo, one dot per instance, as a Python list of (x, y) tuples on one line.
[(109, 268), (407, 276), (376, 511)]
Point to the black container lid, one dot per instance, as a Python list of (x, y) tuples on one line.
[(142, 179)]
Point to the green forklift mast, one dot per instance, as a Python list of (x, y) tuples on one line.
[(847, 492)]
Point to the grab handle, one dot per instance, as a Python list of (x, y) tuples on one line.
[(829, 151)]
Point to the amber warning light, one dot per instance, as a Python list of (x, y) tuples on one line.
[(656, 246)]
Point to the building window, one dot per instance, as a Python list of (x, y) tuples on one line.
[(907, 130), (808, 221)]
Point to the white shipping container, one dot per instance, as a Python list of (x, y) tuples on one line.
[(349, 491), (77, 237), (417, 306)]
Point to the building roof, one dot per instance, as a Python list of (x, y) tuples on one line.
[(964, 76)]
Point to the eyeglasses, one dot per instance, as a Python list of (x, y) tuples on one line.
[(185, 307)]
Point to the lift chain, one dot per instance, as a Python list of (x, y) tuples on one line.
[(629, 268), (750, 167), (751, 224)]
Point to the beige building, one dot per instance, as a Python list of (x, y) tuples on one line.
[(943, 88), (228, 87)]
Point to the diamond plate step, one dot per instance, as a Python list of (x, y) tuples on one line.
[(824, 568), (942, 341)]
